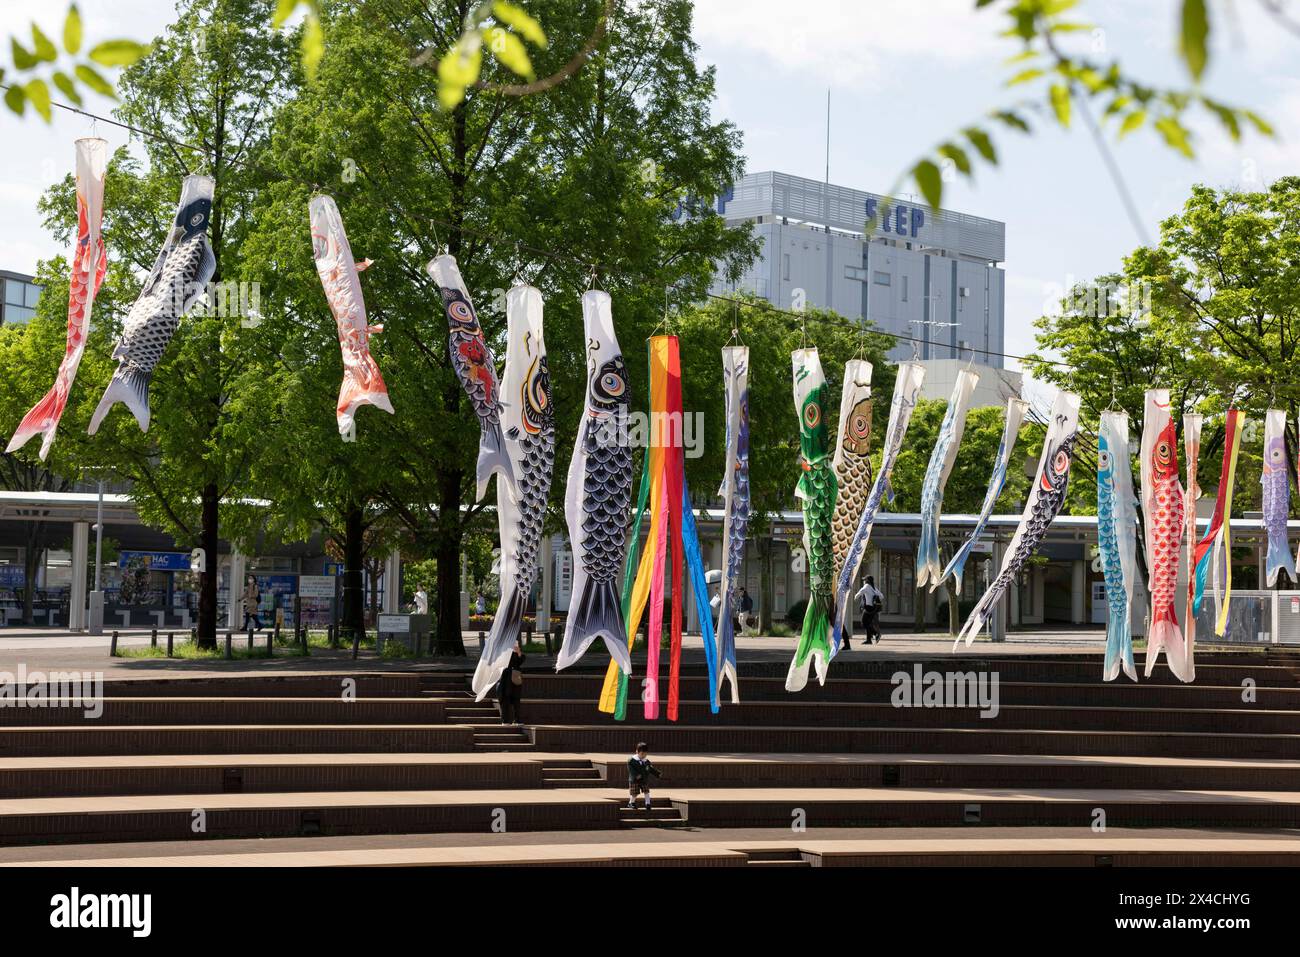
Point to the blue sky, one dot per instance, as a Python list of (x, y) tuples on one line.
[(903, 76)]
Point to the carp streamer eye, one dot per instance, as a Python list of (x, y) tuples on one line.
[(860, 426), (460, 311), (1103, 460), (1061, 462), (1275, 454), (812, 414), (1162, 451), (611, 383)]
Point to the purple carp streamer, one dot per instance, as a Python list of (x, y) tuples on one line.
[(475, 367), (907, 389), (928, 567), (1010, 432), (735, 511), (178, 280), (340, 276), (89, 263), (1276, 480), (852, 465), (528, 425), (1046, 497)]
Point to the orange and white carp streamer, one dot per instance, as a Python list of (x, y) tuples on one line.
[(339, 274), (89, 263)]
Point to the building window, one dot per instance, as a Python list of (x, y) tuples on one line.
[(20, 299), (904, 296), (881, 278), (854, 272), (785, 267)]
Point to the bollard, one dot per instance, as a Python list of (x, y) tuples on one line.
[(112, 647), (418, 636), (356, 644), (251, 633), (153, 638), (270, 644), (277, 628), (332, 635), (229, 637), (169, 644)]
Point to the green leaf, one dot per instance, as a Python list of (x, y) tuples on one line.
[(45, 48), (1175, 135), (39, 96), (518, 20), (72, 30), (16, 100), (1257, 121), (283, 10), (22, 59), (929, 181), (87, 75), (458, 69), (1013, 120), (1132, 122), (982, 142), (66, 86), (1193, 41), (1024, 76), (1060, 97), (313, 46), (509, 49), (117, 52), (958, 155)]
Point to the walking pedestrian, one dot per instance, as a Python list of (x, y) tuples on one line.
[(510, 689)]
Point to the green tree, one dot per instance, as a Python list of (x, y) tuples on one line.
[(586, 176)]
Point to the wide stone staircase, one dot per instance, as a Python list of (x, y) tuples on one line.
[(406, 768)]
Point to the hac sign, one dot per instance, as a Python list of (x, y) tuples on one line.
[(903, 220)]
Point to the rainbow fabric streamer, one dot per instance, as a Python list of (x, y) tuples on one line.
[(671, 523), (1218, 537), (89, 263), (1192, 424), (816, 491)]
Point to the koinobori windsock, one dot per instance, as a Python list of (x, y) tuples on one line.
[(1276, 482), (528, 426), (907, 388), (598, 494), (816, 493), (735, 509), (471, 357), (1214, 548), (179, 278), (89, 263), (340, 276), (1192, 423), (929, 568), (1010, 432), (1165, 521), (1117, 540), (1046, 496), (852, 464)]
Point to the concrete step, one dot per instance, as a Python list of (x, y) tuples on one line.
[(917, 847), (126, 712)]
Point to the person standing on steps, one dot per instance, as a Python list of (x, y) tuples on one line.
[(480, 605), (870, 600), (639, 772), (746, 609), (510, 689)]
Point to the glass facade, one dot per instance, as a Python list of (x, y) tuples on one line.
[(18, 302)]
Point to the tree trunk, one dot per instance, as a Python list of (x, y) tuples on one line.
[(208, 579), (766, 547), (354, 621), (954, 608), (31, 565)]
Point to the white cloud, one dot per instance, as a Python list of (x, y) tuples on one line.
[(847, 41)]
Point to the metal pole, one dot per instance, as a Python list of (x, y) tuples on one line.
[(99, 533)]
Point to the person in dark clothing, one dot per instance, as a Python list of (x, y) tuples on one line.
[(871, 601), (510, 689), (639, 772), (746, 609)]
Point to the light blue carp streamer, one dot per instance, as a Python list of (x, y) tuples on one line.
[(1119, 639), (929, 569)]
